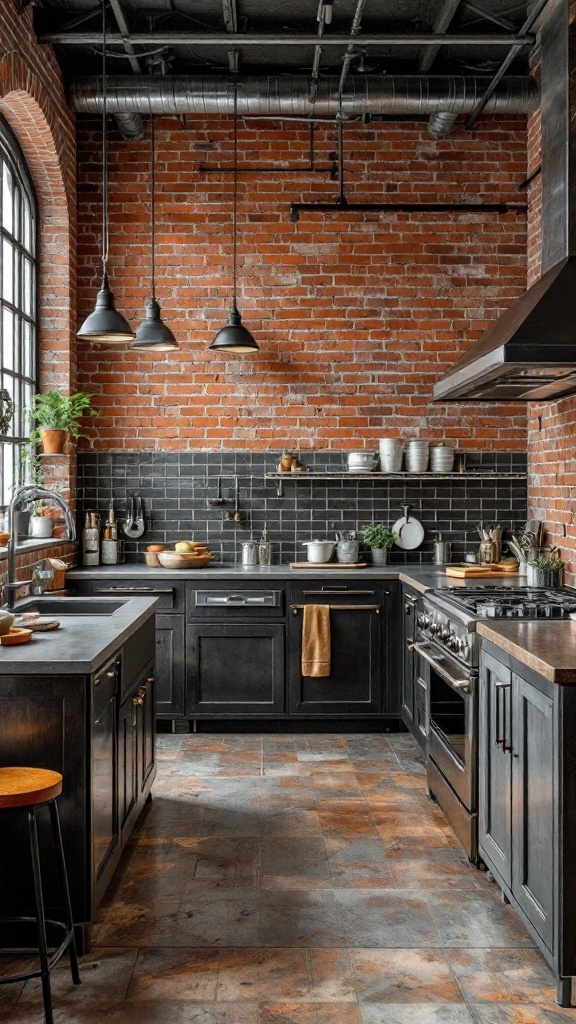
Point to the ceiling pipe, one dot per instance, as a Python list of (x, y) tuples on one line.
[(442, 124), (130, 125), (245, 39), (289, 96)]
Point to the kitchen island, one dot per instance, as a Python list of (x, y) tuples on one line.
[(80, 700)]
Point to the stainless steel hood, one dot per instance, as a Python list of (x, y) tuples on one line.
[(529, 353)]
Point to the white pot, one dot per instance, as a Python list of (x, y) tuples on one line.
[(319, 550), (41, 526)]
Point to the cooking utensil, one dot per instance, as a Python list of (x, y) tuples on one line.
[(347, 551), (319, 550), (218, 500), (135, 526), (409, 531)]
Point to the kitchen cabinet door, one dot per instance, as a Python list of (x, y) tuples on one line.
[(357, 663), (169, 670), (534, 805), (234, 669), (104, 764), (495, 765), (127, 763)]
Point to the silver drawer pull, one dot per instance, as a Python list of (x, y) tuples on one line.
[(133, 590)]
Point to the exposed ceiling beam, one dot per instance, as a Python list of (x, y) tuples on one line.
[(487, 16), (197, 39), (123, 28), (510, 57), (447, 12), (230, 15)]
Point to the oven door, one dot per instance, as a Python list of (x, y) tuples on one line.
[(452, 739)]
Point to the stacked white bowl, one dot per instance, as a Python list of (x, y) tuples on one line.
[(442, 458), (417, 455), (391, 451)]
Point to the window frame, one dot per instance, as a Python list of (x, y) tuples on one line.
[(11, 154)]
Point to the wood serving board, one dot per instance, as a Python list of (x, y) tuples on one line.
[(327, 565), (463, 571)]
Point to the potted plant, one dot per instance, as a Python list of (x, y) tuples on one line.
[(57, 417), (41, 520), (380, 539)]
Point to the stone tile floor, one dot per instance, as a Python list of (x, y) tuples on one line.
[(298, 879)]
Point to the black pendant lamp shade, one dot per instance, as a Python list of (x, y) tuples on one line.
[(153, 335), (105, 325), (234, 337)]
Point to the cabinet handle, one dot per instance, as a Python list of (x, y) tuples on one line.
[(338, 590), (133, 590), (295, 608), (150, 679), (111, 674), (97, 681), (500, 689), (160, 641)]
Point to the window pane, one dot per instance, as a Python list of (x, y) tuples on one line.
[(28, 367), (7, 271), (7, 186), (8, 340)]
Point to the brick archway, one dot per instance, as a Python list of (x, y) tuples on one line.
[(28, 108)]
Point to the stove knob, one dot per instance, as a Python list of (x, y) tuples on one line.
[(456, 643), (423, 621), (466, 651), (445, 635)]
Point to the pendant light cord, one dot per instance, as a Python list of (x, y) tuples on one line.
[(104, 148), (153, 200), (235, 201)]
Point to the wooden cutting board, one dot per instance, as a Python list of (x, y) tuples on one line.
[(463, 571), (327, 565)]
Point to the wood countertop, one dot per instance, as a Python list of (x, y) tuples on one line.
[(548, 648)]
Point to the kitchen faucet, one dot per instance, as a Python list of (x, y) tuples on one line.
[(29, 492)]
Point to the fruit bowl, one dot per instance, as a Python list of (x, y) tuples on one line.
[(183, 559)]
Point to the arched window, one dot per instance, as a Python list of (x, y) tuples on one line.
[(18, 357)]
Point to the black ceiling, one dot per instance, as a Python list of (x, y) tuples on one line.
[(81, 23)]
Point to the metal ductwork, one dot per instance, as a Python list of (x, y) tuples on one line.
[(131, 126), (529, 353), (441, 125), (289, 96)]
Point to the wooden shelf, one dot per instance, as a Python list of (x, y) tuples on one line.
[(404, 475)]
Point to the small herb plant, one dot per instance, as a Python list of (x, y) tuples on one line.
[(550, 564), (55, 411), (378, 536)]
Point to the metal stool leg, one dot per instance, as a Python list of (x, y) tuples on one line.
[(64, 888), (40, 921)]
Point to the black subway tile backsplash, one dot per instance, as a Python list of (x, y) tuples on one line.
[(175, 488)]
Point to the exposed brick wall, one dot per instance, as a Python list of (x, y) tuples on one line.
[(551, 425), (33, 102), (357, 315)]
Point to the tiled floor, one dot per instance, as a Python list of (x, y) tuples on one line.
[(298, 880)]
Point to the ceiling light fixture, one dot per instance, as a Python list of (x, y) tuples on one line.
[(234, 337), (153, 335), (105, 325)]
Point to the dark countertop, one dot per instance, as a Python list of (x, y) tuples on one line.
[(80, 645), (547, 647), (422, 578)]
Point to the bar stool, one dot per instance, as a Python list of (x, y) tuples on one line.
[(31, 789)]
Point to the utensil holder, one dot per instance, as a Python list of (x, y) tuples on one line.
[(549, 578)]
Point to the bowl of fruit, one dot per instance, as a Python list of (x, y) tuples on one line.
[(187, 554)]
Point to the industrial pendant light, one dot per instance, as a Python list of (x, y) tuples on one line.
[(105, 325), (234, 337), (153, 335)]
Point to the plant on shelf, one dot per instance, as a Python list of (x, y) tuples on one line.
[(380, 538), (57, 417)]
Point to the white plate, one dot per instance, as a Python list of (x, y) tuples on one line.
[(410, 533)]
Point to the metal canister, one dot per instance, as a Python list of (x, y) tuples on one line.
[(347, 551), (250, 552)]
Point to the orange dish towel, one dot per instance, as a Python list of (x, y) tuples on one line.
[(316, 640)]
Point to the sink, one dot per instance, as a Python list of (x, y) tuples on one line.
[(69, 606)]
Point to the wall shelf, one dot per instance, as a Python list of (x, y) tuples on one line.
[(429, 475)]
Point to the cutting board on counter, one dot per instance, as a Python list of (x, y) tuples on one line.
[(327, 565), (496, 570)]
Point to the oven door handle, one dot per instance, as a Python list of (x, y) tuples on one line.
[(460, 685)]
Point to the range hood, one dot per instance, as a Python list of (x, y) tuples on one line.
[(529, 353)]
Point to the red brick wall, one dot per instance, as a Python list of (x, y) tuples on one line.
[(357, 315), (33, 102), (551, 425)]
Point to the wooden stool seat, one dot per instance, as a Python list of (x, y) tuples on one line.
[(23, 787)]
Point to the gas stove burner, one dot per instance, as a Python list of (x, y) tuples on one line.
[(512, 602)]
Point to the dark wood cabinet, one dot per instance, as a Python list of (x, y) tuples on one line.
[(99, 732), (358, 613), (527, 802), (235, 668), (169, 667)]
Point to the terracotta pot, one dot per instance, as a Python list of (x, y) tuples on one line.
[(54, 441)]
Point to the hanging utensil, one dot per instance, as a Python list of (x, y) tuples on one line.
[(135, 526), (218, 500)]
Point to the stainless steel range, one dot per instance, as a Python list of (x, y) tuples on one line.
[(447, 646)]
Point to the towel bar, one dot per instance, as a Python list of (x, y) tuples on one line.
[(295, 608)]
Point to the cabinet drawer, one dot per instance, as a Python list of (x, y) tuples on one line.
[(171, 595), (233, 603)]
